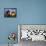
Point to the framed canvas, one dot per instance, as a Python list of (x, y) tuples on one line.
[(32, 32), (10, 12)]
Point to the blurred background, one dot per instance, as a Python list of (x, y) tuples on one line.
[(28, 12)]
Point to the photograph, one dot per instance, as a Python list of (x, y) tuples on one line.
[(31, 34), (10, 12)]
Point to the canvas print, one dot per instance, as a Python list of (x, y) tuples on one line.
[(33, 32), (10, 12)]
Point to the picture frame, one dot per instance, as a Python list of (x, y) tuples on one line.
[(10, 12)]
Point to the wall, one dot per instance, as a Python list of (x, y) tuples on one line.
[(33, 12), (28, 12)]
